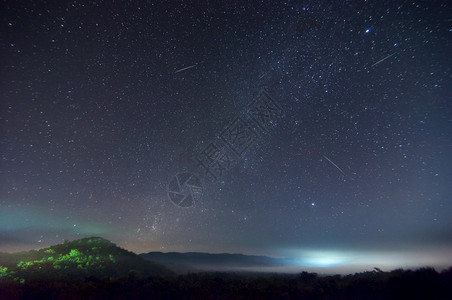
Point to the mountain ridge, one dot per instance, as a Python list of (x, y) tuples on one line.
[(183, 262)]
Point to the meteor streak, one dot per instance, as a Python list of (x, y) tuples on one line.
[(186, 68), (382, 60), (334, 164)]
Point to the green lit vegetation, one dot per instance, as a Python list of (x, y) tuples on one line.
[(25, 264), (3, 271), (74, 257), (60, 258)]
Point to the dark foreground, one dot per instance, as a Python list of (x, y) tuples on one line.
[(424, 283)]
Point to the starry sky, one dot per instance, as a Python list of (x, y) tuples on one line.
[(320, 130)]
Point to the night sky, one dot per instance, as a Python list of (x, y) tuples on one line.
[(319, 130)]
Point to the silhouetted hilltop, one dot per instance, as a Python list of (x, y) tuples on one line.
[(88, 257)]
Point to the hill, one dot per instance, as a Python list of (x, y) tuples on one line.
[(79, 259)]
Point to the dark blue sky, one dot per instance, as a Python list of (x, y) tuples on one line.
[(307, 129)]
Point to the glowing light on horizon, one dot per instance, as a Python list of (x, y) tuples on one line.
[(389, 259), (319, 258)]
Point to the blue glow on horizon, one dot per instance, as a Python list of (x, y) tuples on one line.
[(355, 260), (322, 259)]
